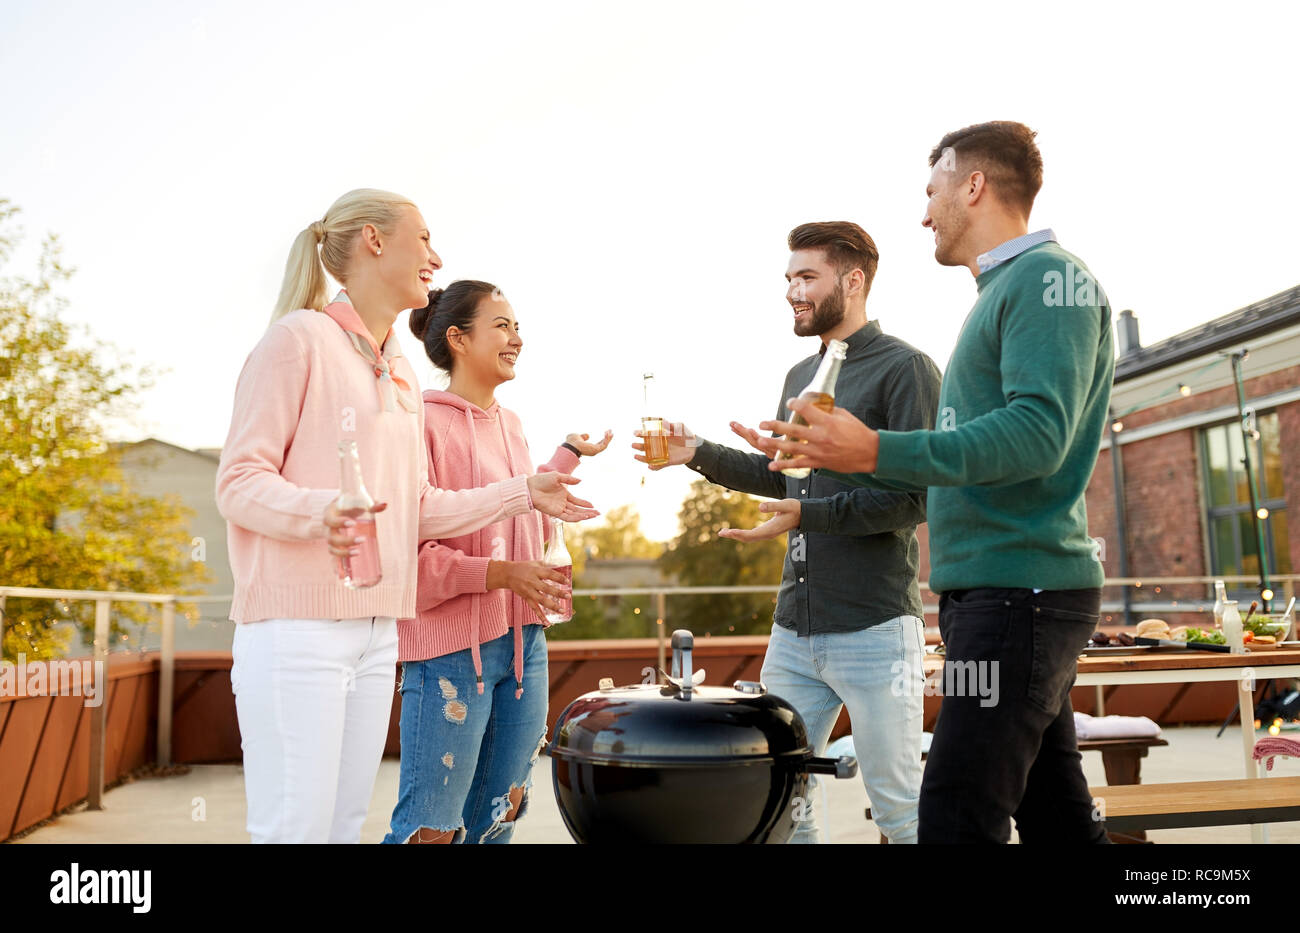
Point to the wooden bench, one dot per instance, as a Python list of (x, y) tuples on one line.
[(1122, 759), (1199, 803)]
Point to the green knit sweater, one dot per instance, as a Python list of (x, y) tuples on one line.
[(1021, 412)]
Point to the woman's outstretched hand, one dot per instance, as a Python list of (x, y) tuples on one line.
[(540, 586), (584, 446), (551, 497)]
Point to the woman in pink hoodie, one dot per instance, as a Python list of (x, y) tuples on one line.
[(314, 660), (474, 674)]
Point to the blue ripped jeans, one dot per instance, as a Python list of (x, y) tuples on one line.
[(463, 753)]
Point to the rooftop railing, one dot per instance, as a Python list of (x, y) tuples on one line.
[(167, 604)]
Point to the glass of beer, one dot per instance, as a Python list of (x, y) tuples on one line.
[(654, 436)]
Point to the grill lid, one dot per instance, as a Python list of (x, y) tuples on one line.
[(679, 722)]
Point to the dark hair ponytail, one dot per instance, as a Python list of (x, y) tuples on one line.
[(453, 306)]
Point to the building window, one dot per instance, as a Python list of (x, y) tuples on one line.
[(1234, 547)]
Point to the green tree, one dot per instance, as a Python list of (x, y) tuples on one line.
[(68, 517), (698, 557), (619, 535)]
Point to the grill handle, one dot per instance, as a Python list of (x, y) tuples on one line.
[(846, 766), (682, 643)]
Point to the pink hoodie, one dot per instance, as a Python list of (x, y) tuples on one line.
[(307, 385), (469, 447)]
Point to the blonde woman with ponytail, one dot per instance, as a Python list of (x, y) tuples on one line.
[(314, 661)]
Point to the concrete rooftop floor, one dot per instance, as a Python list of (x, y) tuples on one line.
[(162, 810)]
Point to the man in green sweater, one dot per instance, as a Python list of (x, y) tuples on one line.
[(1021, 412)]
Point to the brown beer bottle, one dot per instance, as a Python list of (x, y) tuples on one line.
[(821, 390)]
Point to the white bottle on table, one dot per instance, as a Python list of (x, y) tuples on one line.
[(1232, 632), (1220, 600)]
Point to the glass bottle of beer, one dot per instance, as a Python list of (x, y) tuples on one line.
[(652, 424), (557, 557), (354, 502), (821, 390)]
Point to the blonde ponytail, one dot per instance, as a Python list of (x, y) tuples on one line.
[(304, 277), (327, 244)]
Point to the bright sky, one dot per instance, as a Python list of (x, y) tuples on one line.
[(628, 176)]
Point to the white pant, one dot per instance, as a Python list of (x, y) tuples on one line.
[(314, 697)]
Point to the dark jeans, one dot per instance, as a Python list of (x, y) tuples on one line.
[(1008, 749)]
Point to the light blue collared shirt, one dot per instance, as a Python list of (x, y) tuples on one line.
[(1012, 248)]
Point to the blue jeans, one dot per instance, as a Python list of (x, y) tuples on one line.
[(876, 673), (462, 753)]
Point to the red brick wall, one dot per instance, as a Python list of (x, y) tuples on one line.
[(1288, 423), (1163, 512), (1163, 495)]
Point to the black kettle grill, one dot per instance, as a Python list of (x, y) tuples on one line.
[(680, 762)]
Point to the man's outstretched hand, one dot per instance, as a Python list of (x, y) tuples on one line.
[(836, 441), (786, 516)]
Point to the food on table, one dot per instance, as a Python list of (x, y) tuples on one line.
[(1264, 625), (1206, 636), (1264, 640), (1152, 628), (1126, 639), (1100, 639)]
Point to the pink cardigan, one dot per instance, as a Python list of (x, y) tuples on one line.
[(469, 447), (305, 387)]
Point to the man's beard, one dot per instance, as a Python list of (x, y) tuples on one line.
[(826, 315), (954, 230)]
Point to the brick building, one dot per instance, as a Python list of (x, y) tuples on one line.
[(1177, 430)]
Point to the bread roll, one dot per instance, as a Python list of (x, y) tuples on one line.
[(1152, 628)]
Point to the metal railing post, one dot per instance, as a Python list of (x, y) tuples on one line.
[(99, 714), (1121, 513), (166, 682)]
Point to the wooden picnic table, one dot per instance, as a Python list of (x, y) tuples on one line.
[(1172, 665)]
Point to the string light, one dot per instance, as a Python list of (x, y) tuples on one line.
[(1183, 389), (1117, 426), (1262, 513)]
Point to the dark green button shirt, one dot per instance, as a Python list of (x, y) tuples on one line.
[(852, 562)]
